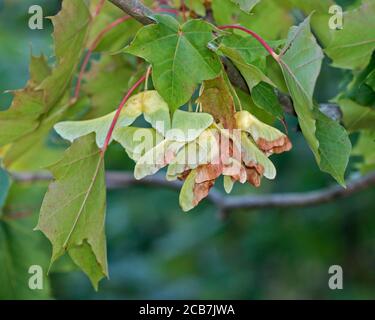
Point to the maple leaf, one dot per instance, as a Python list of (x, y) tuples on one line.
[(300, 61), (76, 223), (179, 56)]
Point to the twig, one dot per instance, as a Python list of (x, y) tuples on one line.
[(136, 9), (226, 204)]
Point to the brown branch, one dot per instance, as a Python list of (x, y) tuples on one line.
[(136, 9), (119, 180), (305, 199)]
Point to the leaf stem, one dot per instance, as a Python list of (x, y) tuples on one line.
[(99, 7), (167, 10), (118, 112), (254, 35), (91, 50), (148, 73), (183, 10)]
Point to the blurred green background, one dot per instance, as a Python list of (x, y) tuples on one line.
[(156, 251)]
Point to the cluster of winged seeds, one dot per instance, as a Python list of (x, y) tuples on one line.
[(192, 145)]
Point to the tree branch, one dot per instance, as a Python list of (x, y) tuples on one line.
[(136, 9), (226, 204)]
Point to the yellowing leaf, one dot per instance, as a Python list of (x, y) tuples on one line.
[(70, 33), (46, 89), (20, 156), (76, 222), (217, 100), (23, 115)]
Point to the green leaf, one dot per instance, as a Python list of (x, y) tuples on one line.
[(106, 83), (249, 105), (19, 250), (309, 5), (359, 90), (20, 246), (334, 147), (117, 37), (196, 5), (352, 47), (188, 126), (154, 108), (75, 223), (356, 116), (249, 48), (270, 19), (320, 19), (371, 80), (264, 97), (70, 35), (179, 56), (300, 61), (246, 5), (4, 186), (252, 74), (365, 148)]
